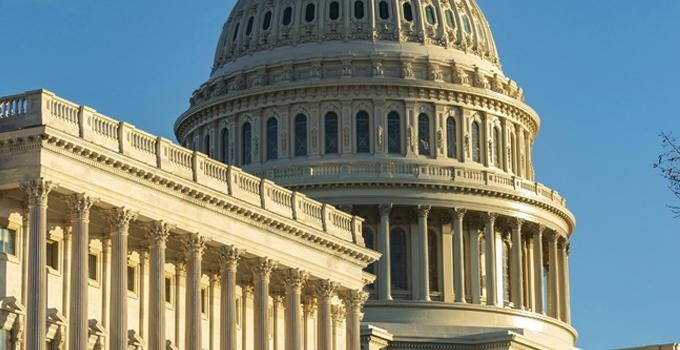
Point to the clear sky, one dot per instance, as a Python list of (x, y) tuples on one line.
[(603, 74)]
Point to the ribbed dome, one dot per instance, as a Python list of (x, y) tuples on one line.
[(450, 31)]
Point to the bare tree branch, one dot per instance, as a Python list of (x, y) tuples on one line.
[(669, 165)]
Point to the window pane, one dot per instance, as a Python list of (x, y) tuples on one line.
[(92, 267), (53, 255), (287, 15), (246, 144), (267, 21), (131, 278), (204, 301), (424, 135), (476, 147), (408, 12), (233, 38), (394, 133), (249, 27), (207, 145), (363, 133), (496, 151), (384, 10), (8, 241), (331, 133), (225, 146), (359, 9), (449, 19), (399, 259), (334, 11), (466, 24), (272, 139), (451, 137), (300, 135), (168, 290), (431, 16), (310, 12)]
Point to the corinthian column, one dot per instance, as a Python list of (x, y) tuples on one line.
[(458, 256), (475, 269), (158, 235), (516, 267), (294, 280), (325, 290), (384, 280), (423, 256), (120, 224), (261, 274), (490, 239), (80, 205), (195, 246), (229, 257), (354, 300), (538, 271), (553, 277), (36, 303), (565, 305)]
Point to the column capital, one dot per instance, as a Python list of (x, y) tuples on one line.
[(491, 218), (263, 268), (295, 278), (354, 299), (37, 190), (325, 288), (338, 313), (247, 290), (541, 229), (423, 211), (518, 222), (80, 205), (385, 209), (229, 257), (195, 244), (158, 233), (119, 219), (457, 214), (278, 298), (310, 303)]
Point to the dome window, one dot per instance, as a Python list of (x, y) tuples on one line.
[(384, 10), (449, 19), (408, 11), (363, 132), (233, 38), (480, 31), (287, 16), (430, 15), (249, 26), (451, 137), (424, 134), (267, 21), (272, 139), (246, 144), (300, 135), (331, 133), (225, 146), (466, 24), (399, 243), (476, 146), (334, 11), (310, 13), (394, 133), (359, 9)]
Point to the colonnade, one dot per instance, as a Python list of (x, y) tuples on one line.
[(471, 266), (299, 291)]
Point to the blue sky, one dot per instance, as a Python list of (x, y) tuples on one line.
[(602, 74)]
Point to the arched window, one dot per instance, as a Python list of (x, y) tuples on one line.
[(331, 133), (512, 160), (369, 240), (480, 31), (225, 146), (207, 145), (482, 265), (430, 15), (272, 139), (300, 135), (394, 133), (310, 12), (249, 26), (359, 9), (399, 259), (384, 9), (449, 19), (506, 271), (267, 21), (287, 16), (476, 146), (451, 137), (408, 11), (363, 133), (466, 24), (496, 147), (334, 11), (235, 35), (423, 134), (246, 144), (433, 260)]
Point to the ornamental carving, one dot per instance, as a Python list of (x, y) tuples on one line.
[(158, 233), (263, 267), (326, 289), (295, 278), (80, 204), (194, 244), (355, 299), (229, 258), (38, 190), (120, 218)]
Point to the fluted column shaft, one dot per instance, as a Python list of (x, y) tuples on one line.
[(538, 271), (120, 224), (354, 300), (246, 295), (261, 275), (158, 234), (531, 280), (516, 266), (458, 256), (565, 305), (36, 303), (423, 255), (294, 281), (553, 277), (229, 258), (80, 205), (384, 279), (195, 246), (475, 269), (338, 316), (325, 291), (490, 240)]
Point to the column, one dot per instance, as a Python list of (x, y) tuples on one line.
[(338, 316), (309, 306), (158, 235), (214, 280), (79, 205), (261, 274), (516, 267), (325, 290), (458, 255), (538, 271), (24, 252), (195, 246), (448, 288), (106, 284), (294, 280), (384, 278), (36, 303), (66, 276), (144, 258), (119, 220), (475, 270), (277, 301), (553, 277), (180, 319), (565, 300), (530, 282), (246, 295), (354, 300), (229, 258), (423, 259), (490, 240)]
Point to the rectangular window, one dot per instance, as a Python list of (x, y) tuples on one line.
[(53, 255), (238, 312), (132, 279), (168, 290), (92, 267), (204, 301), (8, 241)]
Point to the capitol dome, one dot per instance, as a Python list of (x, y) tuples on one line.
[(398, 111)]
